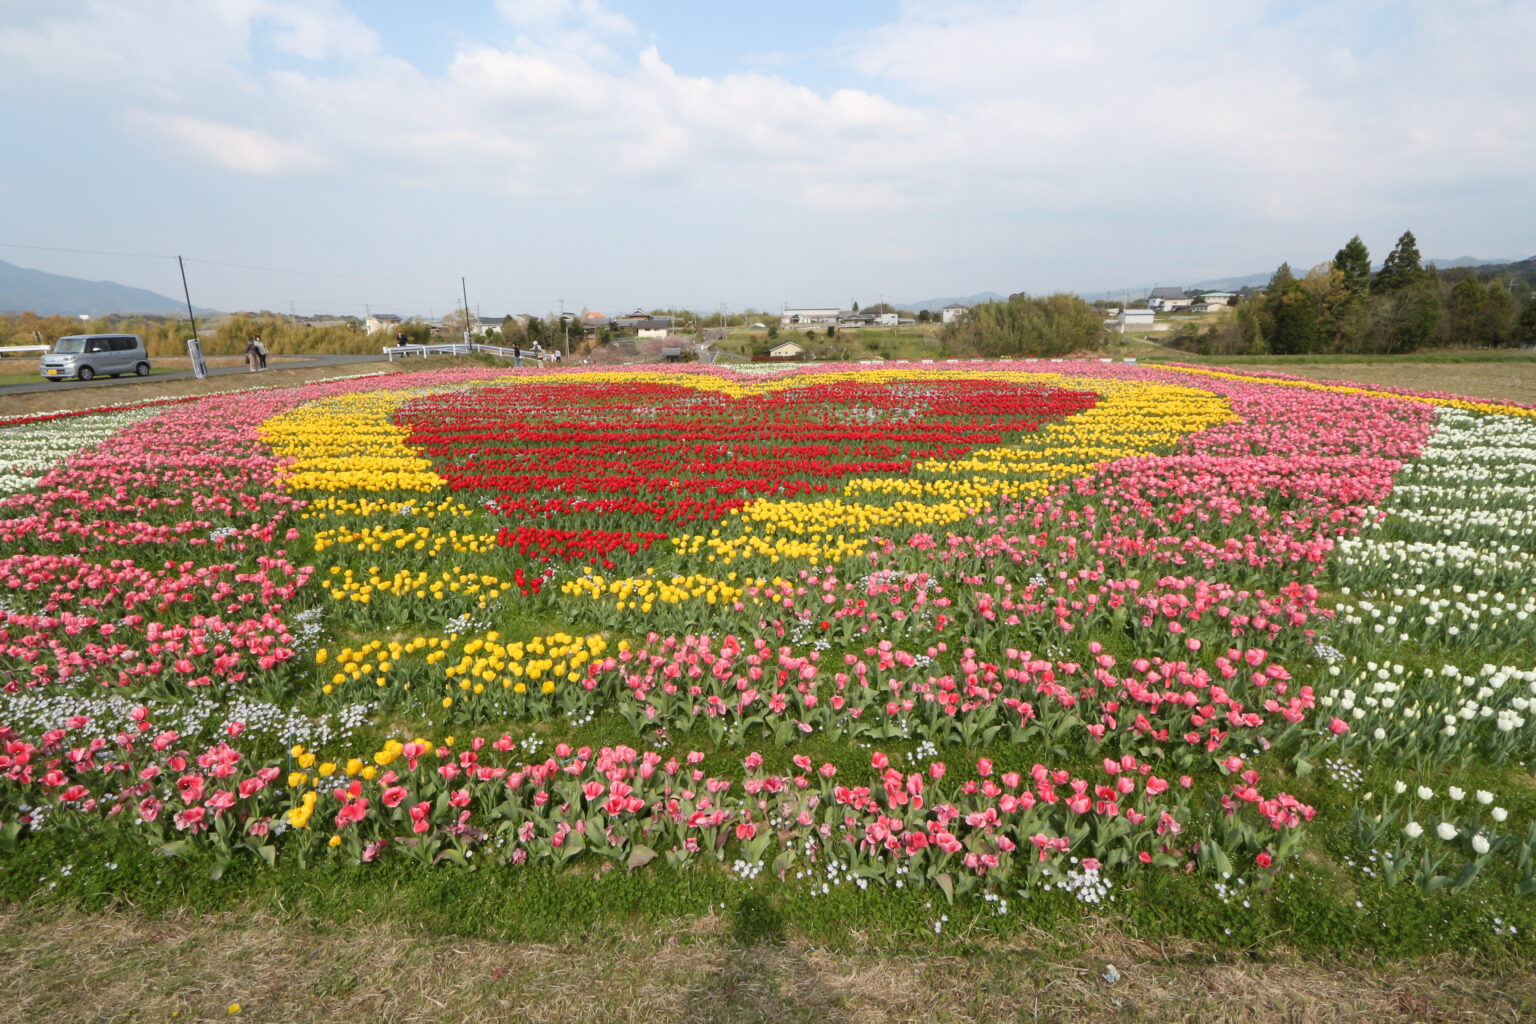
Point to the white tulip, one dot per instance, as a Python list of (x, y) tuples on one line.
[(1413, 830), (1456, 792), (1498, 814), (1445, 830), (1484, 797), (1425, 793), (1480, 844)]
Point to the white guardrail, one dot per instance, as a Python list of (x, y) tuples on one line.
[(455, 349), (25, 348)]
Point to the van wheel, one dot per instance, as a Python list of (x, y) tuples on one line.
[(85, 373), (142, 370)]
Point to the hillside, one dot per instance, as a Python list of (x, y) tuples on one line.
[(23, 290)]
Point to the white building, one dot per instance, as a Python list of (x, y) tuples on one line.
[(377, 322), (1133, 320), (820, 317), (952, 313), (1168, 299)]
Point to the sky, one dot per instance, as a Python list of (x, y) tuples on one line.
[(341, 156)]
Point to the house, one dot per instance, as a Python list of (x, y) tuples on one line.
[(653, 332), (819, 317), (1132, 320), (1168, 299), (950, 314), (641, 320), (377, 322), (786, 350), (484, 325), (1219, 298)]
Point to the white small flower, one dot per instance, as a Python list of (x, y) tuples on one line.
[(1498, 814), (1484, 797), (1456, 792), (1480, 844), (1425, 793), (1399, 787), (1445, 830), (1413, 830)]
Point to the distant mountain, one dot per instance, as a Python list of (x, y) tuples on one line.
[(1259, 280), (1469, 261), (23, 290), (934, 305)]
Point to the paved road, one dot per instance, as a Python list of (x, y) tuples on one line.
[(293, 363)]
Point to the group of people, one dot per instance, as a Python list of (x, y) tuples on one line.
[(255, 353)]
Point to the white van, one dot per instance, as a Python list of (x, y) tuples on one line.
[(89, 355)]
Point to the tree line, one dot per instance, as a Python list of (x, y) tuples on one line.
[(1407, 306), (167, 336)]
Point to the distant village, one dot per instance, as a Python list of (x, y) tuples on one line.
[(1143, 316), (671, 338)]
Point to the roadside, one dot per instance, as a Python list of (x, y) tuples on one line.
[(70, 396), (174, 369)]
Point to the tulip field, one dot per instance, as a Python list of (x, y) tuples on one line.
[(921, 649)]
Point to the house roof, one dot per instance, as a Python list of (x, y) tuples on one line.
[(1167, 293)]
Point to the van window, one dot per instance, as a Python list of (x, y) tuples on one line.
[(69, 346), (123, 345), (96, 345)]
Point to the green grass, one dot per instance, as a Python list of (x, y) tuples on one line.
[(31, 376)]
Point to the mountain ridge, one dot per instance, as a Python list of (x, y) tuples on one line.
[(24, 290)]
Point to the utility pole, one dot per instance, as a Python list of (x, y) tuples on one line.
[(464, 292), (194, 343)]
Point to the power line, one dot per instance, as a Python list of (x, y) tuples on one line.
[(87, 252)]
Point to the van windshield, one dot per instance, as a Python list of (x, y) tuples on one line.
[(69, 346)]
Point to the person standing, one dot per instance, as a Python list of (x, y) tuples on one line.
[(261, 352), (250, 354)]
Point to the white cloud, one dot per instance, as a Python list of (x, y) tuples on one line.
[(1169, 129), (243, 149)]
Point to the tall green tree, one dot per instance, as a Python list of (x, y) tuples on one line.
[(1525, 326), (1407, 319), (1295, 331), (1250, 331), (1403, 267), (1464, 313), (1353, 262), (1496, 322)]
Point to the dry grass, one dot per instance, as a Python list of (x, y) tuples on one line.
[(1512, 381), (124, 966)]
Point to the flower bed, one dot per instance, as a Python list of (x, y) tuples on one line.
[(982, 628)]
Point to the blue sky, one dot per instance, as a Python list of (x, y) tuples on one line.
[(334, 156)]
